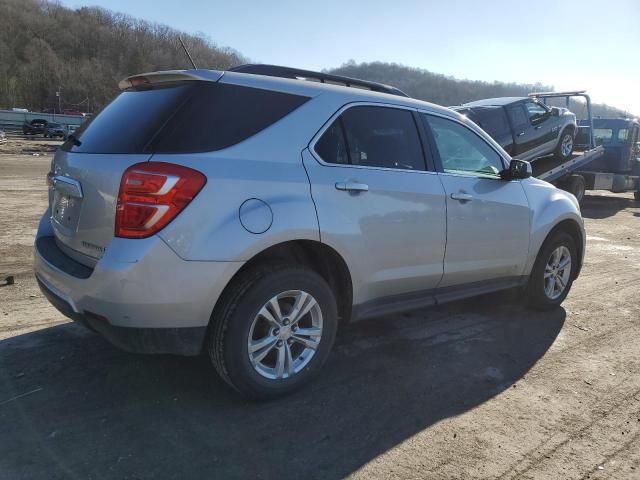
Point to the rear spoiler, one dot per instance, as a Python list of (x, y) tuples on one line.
[(155, 78)]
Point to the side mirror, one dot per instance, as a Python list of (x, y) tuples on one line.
[(555, 112), (518, 170)]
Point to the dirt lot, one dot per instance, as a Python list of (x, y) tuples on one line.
[(475, 389)]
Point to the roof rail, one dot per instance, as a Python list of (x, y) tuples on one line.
[(298, 74)]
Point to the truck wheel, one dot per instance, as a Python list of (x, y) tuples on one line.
[(273, 330), (553, 273), (576, 186), (565, 145)]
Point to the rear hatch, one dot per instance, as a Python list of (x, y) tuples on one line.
[(86, 172)]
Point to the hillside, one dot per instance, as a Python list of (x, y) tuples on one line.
[(86, 51), (444, 90), (45, 48)]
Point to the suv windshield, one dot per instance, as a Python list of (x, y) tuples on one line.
[(182, 118)]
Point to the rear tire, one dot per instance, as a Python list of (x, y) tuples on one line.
[(575, 185), (264, 359), (549, 283), (564, 149)]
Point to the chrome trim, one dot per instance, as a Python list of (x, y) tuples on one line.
[(312, 144), (67, 186)]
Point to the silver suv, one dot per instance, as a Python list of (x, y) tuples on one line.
[(248, 215)]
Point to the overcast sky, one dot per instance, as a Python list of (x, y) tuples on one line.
[(569, 44)]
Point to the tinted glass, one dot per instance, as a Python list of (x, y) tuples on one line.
[(182, 118), (535, 111), (217, 116), (462, 151), (128, 123), (383, 137), (493, 121), (331, 147), (518, 116)]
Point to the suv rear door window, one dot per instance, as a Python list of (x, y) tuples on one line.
[(374, 137), (182, 118)]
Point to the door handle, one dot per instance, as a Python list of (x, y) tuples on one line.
[(520, 134), (538, 127), (462, 197), (352, 187)]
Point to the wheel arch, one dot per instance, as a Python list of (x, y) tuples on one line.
[(572, 228), (315, 255)]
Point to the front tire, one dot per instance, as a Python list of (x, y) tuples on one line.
[(273, 330), (553, 272), (564, 148)]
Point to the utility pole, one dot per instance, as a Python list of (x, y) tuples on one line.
[(59, 95)]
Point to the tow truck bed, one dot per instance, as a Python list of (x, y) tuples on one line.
[(551, 169)]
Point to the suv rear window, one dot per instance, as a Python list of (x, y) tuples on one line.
[(182, 118)]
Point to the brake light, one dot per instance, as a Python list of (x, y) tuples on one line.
[(151, 195)]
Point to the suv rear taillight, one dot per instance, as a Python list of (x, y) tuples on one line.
[(151, 195)]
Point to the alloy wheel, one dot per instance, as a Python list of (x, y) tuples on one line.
[(285, 334), (557, 272), (567, 145)]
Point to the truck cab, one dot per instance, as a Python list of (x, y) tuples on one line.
[(620, 138)]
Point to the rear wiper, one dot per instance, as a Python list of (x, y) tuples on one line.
[(74, 140)]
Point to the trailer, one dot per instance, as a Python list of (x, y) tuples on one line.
[(574, 175)]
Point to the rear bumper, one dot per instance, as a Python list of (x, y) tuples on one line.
[(140, 296), (177, 341)]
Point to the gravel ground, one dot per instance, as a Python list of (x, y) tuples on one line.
[(475, 389)]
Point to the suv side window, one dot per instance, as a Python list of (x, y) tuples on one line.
[(332, 147), (462, 151), (374, 137), (536, 112)]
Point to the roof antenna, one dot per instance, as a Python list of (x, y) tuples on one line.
[(187, 52)]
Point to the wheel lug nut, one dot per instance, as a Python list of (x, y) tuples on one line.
[(276, 331), (290, 341), (294, 328), (279, 343), (285, 322)]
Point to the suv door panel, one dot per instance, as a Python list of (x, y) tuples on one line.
[(375, 201), (393, 235), (488, 219)]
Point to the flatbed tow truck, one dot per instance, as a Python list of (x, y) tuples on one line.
[(573, 175)]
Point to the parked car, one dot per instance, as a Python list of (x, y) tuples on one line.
[(55, 130), (253, 214), (3, 136), (525, 128), (34, 127)]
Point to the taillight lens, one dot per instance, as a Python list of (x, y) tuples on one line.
[(152, 194)]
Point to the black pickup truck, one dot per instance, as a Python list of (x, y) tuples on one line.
[(525, 128)]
